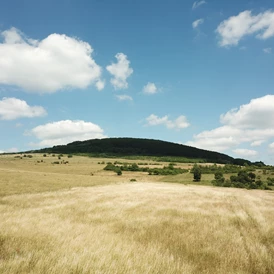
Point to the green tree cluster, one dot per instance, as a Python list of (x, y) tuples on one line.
[(167, 170), (243, 179)]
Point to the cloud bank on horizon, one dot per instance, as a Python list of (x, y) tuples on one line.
[(251, 123)]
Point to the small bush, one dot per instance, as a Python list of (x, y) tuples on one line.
[(133, 180), (119, 172)]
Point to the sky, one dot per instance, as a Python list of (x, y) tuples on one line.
[(199, 73)]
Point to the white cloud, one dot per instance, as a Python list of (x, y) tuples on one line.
[(245, 152), (13, 108), (66, 131), (197, 4), (54, 63), (257, 143), (179, 123), (198, 22), (267, 50), (219, 139), (271, 146), (124, 97), (10, 150), (120, 71), (100, 84), (259, 113), (235, 28), (251, 123), (150, 88)]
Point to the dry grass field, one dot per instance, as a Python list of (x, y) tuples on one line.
[(77, 218)]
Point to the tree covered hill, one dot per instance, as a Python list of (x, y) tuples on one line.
[(140, 147)]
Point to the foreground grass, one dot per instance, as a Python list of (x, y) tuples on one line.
[(77, 218), (138, 228)]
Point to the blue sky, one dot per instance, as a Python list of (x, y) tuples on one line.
[(193, 72)]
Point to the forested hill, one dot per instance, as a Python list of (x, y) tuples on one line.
[(138, 147)]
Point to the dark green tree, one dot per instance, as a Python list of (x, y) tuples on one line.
[(197, 173), (119, 172), (219, 179)]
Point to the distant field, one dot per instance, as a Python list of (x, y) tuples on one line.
[(77, 218)]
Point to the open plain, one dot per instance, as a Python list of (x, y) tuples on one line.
[(78, 218)]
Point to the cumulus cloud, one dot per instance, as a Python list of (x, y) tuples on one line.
[(257, 143), (124, 97), (267, 50), (13, 108), (198, 22), (250, 123), (235, 28), (259, 113), (120, 71), (197, 4), (64, 132), (100, 84), (179, 123), (150, 88), (54, 63), (245, 152)]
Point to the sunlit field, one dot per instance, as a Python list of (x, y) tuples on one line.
[(77, 218)]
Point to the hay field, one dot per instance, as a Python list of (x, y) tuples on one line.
[(69, 221)]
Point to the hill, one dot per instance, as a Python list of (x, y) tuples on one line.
[(140, 147)]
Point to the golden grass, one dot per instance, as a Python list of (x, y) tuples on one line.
[(131, 227), (18, 176)]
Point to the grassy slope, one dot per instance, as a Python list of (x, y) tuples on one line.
[(127, 227)]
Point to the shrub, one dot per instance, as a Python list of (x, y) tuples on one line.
[(119, 172), (270, 181)]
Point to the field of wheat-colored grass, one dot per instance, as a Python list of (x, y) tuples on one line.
[(63, 219)]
